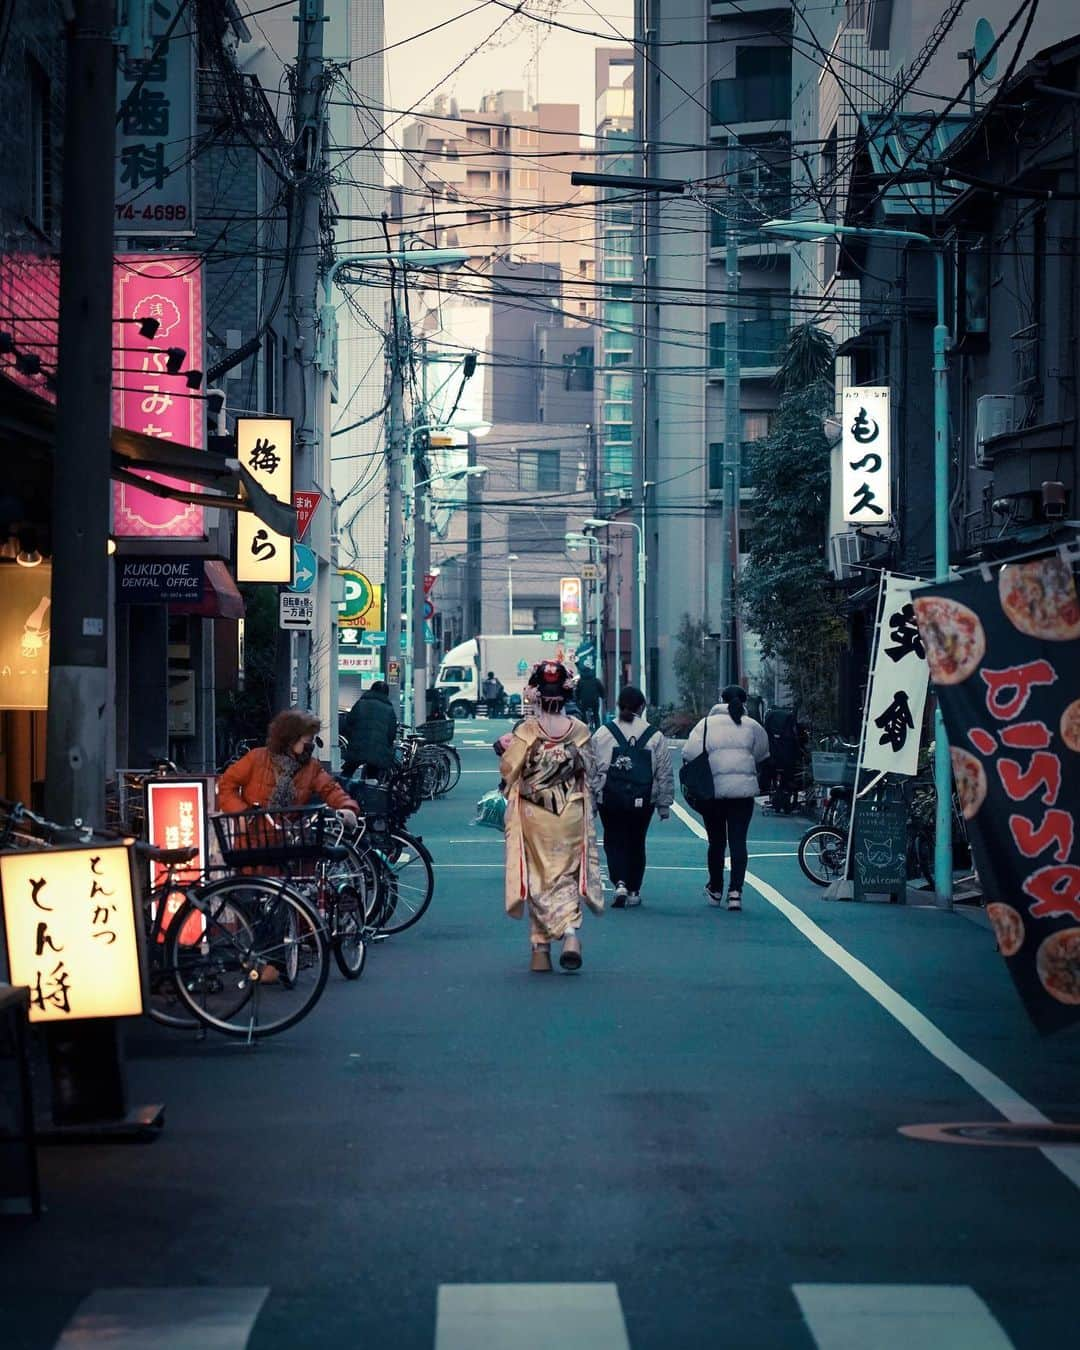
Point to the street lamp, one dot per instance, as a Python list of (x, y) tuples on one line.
[(815, 229), (598, 524), (511, 558)]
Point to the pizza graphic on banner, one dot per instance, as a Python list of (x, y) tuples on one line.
[(1004, 656)]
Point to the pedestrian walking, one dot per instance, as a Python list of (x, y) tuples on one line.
[(632, 779), (587, 695), (370, 730), (735, 745), (552, 863)]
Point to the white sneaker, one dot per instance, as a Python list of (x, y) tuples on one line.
[(632, 899), (715, 898), (619, 902), (734, 901)]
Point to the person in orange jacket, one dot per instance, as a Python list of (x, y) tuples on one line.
[(284, 772)]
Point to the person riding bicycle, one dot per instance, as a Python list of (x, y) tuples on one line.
[(494, 694), (370, 730), (284, 772)]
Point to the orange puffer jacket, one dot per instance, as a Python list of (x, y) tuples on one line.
[(249, 783)]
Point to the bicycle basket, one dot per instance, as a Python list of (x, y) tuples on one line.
[(285, 836), (831, 768), (374, 802), (439, 732)]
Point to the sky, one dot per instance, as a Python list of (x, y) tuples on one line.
[(566, 59)]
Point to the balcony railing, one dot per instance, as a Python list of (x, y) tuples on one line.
[(761, 342), (754, 98)]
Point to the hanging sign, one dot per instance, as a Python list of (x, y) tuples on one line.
[(570, 602), (25, 604), (155, 130), (156, 580), (72, 930), (866, 477), (1004, 656), (362, 606), (306, 503), (264, 446), (898, 687), (146, 398)]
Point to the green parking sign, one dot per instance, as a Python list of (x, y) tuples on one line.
[(550, 635)]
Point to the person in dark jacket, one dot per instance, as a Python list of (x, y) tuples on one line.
[(370, 729), (588, 694)]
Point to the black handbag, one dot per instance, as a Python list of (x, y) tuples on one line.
[(696, 777)]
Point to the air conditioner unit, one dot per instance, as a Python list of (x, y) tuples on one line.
[(995, 414), (845, 550)]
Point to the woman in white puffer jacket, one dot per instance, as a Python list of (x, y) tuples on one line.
[(736, 745)]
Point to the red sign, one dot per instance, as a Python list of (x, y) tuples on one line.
[(429, 582), (176, 818), (306, 503), (166, 287)]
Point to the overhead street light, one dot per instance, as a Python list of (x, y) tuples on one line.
[(810, 230)]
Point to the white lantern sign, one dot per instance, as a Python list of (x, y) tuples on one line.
[(867, 473)]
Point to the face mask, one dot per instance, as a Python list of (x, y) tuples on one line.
[(305, 754)]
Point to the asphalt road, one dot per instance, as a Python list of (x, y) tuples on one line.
[(692, 1143)]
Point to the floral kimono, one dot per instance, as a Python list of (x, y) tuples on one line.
[(552, 863)]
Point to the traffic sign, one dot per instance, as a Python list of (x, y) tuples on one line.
[(306, 503), (373, 637), (429, 610), (429, 633), (296, 612), (430, 578), (590, 572), (305, 568)]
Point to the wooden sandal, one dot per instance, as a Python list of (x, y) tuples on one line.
[(571, 953)]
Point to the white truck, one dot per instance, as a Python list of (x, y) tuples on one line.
[(465, 667)]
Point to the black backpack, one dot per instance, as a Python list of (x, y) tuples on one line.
[(629, 777)]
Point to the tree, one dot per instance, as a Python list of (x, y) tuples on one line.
[(692, 666), (787, 596)]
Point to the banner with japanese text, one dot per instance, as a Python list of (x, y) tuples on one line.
[(155, 129), (264, 446), (146, 398), (1004, 656), (866, 475), (898, 687), (176, 817)]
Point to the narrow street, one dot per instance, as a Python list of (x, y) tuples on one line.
[(692, 1143)]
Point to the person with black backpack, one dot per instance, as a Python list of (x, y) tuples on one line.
[(633, 777)]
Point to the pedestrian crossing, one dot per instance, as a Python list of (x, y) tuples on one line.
[(543, 1317)]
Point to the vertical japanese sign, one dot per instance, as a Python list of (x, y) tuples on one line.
[(155, 131), (72, 932), (176, 818), (867, 475), (24, 637), (897, 688), (1004, 655), (264, 447), (570, 602), (166, 287)]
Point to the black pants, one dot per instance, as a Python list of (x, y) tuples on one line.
[(727, 820), (624, 844)]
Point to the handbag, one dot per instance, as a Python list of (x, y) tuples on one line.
[(491, 810), (696, 777)]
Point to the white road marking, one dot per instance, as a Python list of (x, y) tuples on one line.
[(530, 1317), (164, 1319), (899, 1317), (988, 1085)]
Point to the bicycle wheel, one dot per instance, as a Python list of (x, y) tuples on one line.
[(261, 962), (408, 882), (823, 854), (165, 1005), (451, 768)]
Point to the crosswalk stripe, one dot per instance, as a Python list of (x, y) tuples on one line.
[(899, 1317), (164, 1319), (530, 1317)]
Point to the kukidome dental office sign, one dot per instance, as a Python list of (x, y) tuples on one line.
[(156, 580)]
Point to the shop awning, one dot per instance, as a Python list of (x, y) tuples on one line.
[(220, 600)]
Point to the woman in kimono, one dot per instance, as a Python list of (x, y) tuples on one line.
[(552, 863)]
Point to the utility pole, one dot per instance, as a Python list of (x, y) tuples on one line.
[(302, 394), (87, 1083), (395, 458), (729, 520)]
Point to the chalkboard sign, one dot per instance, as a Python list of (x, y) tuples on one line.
[(880, 848)]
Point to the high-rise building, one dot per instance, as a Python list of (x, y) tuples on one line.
[(717, 113)]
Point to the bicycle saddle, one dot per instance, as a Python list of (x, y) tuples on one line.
[(169, 857)]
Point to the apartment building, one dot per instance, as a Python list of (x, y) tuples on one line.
[(718, 114)]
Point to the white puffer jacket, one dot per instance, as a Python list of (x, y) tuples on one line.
[(734, 751)]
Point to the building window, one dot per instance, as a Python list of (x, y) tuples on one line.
[(543, 532), (760, 91), (538, 470), (578, 369), (40, 149), (763, 328), (755, 426)]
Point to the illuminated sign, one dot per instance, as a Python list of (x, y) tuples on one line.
[(866, 477), (176, 818), (166, 287), (264, 446), (24, 637), (362, 606), (72, 932), (570, 602)]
